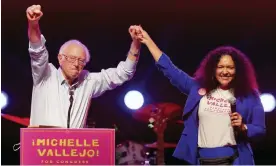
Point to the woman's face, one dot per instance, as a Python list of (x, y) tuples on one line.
[(225, 71)]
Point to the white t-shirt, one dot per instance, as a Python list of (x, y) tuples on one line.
[(215, 128)]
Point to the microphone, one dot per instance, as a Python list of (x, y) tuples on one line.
[(116, 128), (71, 99), (232, 102)]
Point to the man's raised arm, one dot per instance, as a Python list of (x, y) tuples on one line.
[(37, 50)]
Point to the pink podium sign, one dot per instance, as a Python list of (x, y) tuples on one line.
[(56, 146)]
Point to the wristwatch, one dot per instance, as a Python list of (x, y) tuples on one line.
[(134, 54)]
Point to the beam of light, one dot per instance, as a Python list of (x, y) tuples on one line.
[(268, 102), (3, 100), (134, 100)]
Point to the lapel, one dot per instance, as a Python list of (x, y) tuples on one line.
[(193, 99), (241, 108)]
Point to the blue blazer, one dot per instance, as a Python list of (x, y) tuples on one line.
[(249, 107)]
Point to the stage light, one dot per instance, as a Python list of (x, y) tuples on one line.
[(134, 99), (268, 102), (3, 100)]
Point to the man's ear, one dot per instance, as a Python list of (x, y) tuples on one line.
[(59, 59)]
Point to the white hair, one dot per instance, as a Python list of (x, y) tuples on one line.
[(74, 41)]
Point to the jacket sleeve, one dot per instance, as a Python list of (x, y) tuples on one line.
[(256, 127), (177, 77)]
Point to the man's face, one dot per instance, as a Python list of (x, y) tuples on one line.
[(72, 61)]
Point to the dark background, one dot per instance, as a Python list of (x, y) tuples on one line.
[(185, 30)]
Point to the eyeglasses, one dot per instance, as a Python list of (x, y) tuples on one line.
[(73, 59)]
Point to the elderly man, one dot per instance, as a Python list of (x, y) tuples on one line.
[(61, 97)]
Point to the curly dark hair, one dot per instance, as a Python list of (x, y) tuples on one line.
[(244, 82)]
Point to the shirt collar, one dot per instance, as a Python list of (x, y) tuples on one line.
[(62, 80)]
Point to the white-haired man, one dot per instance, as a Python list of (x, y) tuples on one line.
[(61, 97)]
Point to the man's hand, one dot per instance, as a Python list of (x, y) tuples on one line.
[(136, 44), (134, 31), (34, 13)]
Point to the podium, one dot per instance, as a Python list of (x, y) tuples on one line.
[(61, 146)]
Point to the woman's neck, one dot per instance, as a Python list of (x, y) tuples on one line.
[(224, 87)]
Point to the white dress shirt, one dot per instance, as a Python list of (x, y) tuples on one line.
[(50, 96)]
